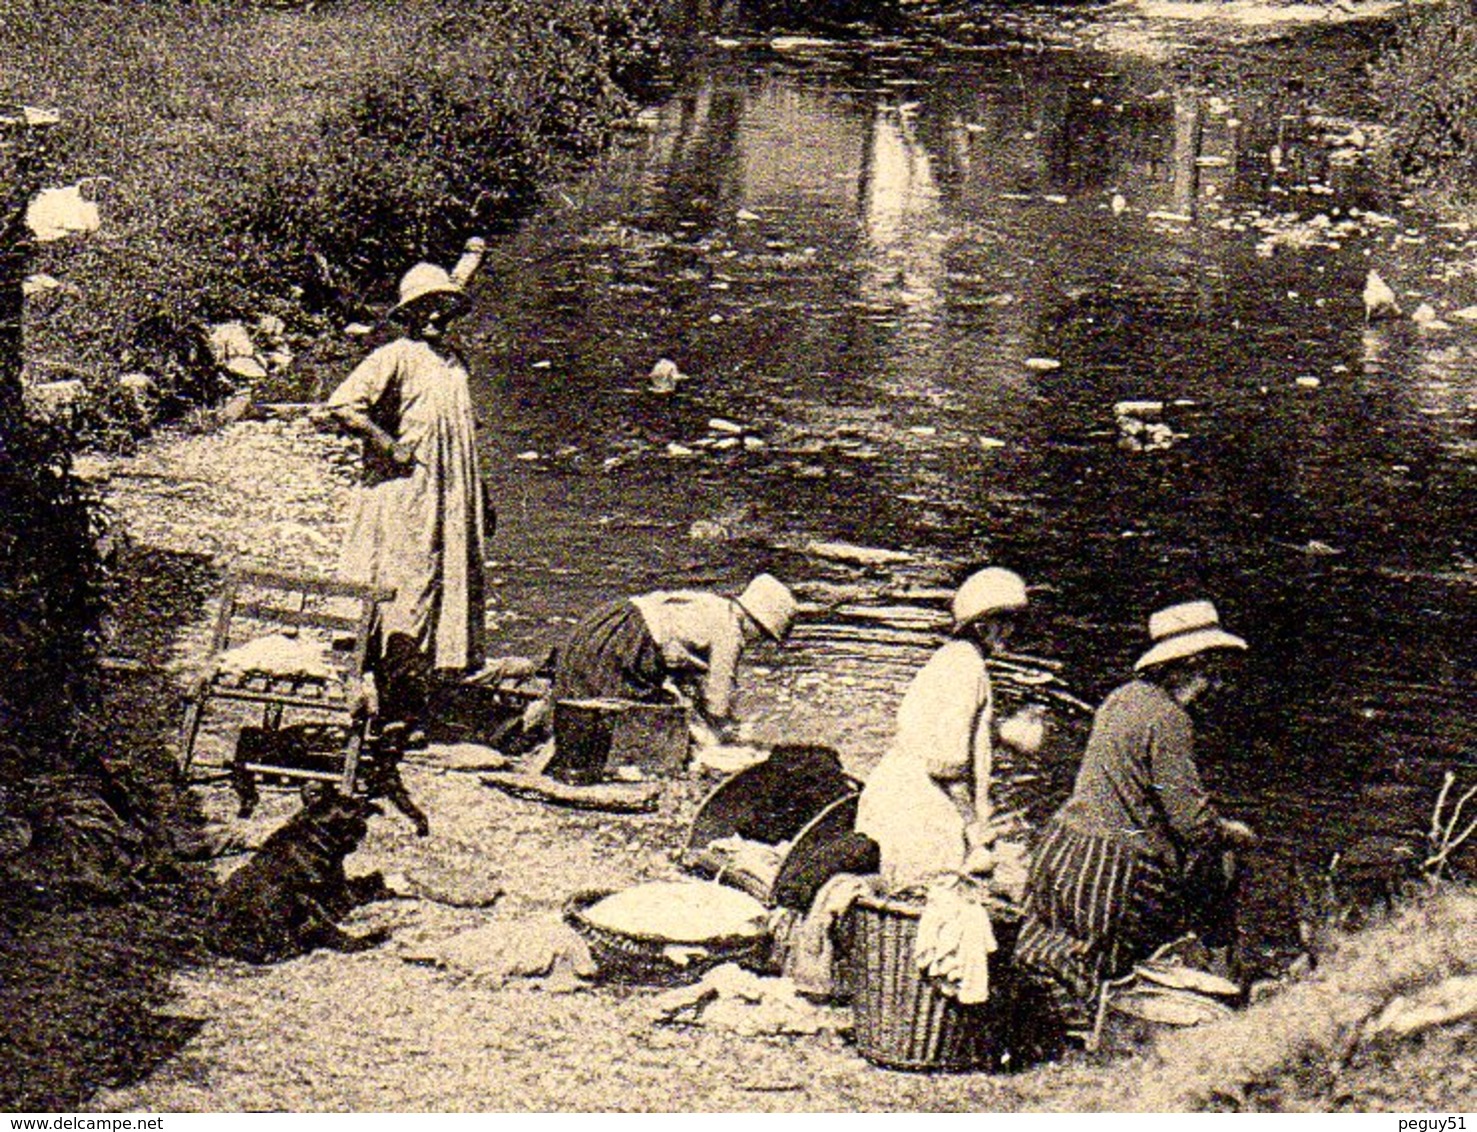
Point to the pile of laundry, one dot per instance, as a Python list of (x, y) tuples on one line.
[(277, 654)]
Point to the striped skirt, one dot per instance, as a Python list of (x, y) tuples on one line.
[(610, 653), (1095, 906)]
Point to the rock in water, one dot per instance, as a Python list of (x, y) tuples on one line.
[(1379, 299), (1426, 318), (665, 376), (857, 555)]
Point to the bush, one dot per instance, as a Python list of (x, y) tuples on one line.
[(1428, 85), (52, 581), (495, 102)]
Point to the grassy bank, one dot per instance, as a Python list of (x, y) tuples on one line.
[(251, 161), (1427, 85), (1363, 1032)]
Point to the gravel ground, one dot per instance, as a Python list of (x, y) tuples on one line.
[(373, 1031)]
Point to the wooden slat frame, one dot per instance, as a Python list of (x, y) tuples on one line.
[(348, 706)]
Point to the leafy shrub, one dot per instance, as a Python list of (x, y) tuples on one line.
[(495, 102), (52, 581), (295, 163), (1428, 85), (406, 173)]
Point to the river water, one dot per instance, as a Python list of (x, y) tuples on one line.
[(919, 279)]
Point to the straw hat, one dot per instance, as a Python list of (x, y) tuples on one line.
[(425, 283), (1184, 630), (992, 590), (770, 603)]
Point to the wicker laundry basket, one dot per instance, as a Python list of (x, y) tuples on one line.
[(901, 1019), (631, 958)]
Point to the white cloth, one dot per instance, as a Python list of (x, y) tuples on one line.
[(943, 730), (420, 530), (730, 998), (278, 655), (953, 946)]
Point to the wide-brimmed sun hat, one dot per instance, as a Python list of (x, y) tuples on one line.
[(992, 590), (771, 604), (424, 285), (1184, 630)]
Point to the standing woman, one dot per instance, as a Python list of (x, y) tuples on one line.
[(929, 795), (1121, 867), (417, 525)]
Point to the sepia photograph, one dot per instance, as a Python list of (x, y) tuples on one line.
[(738, 556)]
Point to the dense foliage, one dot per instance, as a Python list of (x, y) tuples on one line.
[(1427, 84), (250, 161), (491, 104), (51, 593)]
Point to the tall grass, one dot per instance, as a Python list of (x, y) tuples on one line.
[(1295, 1044), (1427, 84), (294, 163)]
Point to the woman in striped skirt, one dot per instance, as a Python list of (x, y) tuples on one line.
[(637, 648), (1113, 876)]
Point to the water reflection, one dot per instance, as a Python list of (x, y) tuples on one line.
[(856, 253)]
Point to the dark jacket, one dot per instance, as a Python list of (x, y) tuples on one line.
[(1138, 779)]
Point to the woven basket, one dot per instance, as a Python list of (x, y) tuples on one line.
[(625, 958), (901, 1020)]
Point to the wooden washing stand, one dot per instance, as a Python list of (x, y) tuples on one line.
[(333, 621)]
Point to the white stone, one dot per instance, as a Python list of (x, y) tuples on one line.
[(54, 214)]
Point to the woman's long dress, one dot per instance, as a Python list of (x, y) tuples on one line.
[(419, 530), (943, 734)]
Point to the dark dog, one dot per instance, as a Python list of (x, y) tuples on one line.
[(285, 900)]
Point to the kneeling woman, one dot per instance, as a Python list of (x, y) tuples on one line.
[(929, 793), (1120, 868), (644, 648)]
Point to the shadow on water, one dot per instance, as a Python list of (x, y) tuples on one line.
[(920, 281)]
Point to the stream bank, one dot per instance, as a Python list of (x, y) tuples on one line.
[(377, 1031)]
